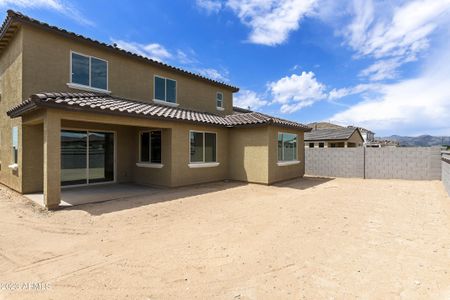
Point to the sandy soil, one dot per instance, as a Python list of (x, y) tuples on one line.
[(304, 239)]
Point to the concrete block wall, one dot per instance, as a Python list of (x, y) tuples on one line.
[(403, 163), (376, 163), (335, 162), (446, 172)]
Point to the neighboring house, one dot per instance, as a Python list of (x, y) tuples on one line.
[(368, 136), (383, 143), (79, 112), (334, 138)]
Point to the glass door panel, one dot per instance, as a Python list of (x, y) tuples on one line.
[(73, 157), (101, 157)]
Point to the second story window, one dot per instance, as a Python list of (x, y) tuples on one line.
[(219, 100), (165, 89), (89, 71)]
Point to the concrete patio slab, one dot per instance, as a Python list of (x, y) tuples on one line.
[(74, 196)]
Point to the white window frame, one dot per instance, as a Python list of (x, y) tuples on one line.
[(88, 88), (149, 164), (203, 164), (222, 106), (14, 162), (165, 102), (282, 163)]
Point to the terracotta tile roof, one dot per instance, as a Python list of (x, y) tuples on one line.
[(255, 118), (330, 134), (10, 26), (104, 103)]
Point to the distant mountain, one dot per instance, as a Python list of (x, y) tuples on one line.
[(418, 141)]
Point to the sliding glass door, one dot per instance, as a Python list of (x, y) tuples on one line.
[(86, 157), (101, 157)]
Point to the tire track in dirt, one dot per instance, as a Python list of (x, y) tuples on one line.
[(48, 228)]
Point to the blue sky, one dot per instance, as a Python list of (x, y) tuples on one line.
[(384, 65)]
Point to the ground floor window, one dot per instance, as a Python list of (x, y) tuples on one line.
[(337, 145), (150, 147), (321, 145), (287, 146), (311, 145), (15, 145), (86, 157), (203, 147)]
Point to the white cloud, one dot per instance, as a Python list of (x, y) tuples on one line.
[(153, 50), (382, 69), (419, 105), (359, 89), (297, 91), (60, 6), (210, 6), (249, 99), (393, 34), (213, 74), (271, 21), (186, 58)]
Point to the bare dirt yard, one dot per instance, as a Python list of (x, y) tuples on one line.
[(310, 238)]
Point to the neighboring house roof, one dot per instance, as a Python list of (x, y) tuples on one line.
[(362, 129), (11, 25), (324, 125), (331, 134), (104, 103), (239, 110)]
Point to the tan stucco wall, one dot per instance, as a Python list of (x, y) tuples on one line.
[(356, 138), (11, 95), (182, 174), (154, 176), (248, 154), (32, 160), (280, 173), (49, 54)]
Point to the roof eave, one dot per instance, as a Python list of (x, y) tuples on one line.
[(20, 111), (35, 104)]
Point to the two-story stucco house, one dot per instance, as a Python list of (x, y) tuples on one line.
[(79, 112)]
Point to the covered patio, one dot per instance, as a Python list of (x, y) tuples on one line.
[(62, 140)]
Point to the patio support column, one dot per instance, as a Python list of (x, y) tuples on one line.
[(52, 160), (346, 145)]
